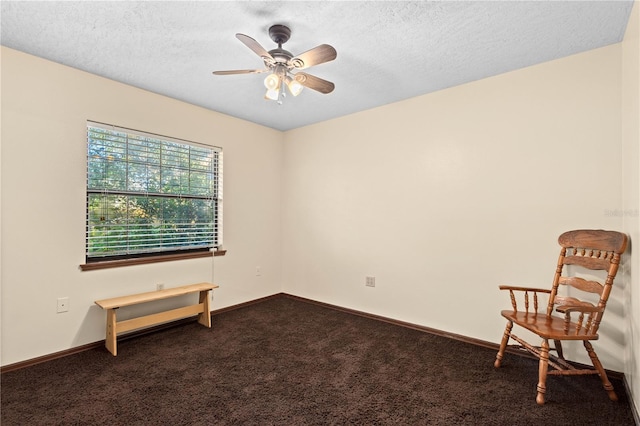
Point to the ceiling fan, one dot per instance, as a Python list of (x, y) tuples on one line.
[(281, 63)]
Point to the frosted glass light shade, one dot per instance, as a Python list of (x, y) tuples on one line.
[(294, 86), (272, 94), (272, 82)]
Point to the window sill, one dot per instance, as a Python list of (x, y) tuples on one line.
[(145, 260)]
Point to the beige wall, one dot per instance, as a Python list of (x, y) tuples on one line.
[(631, 195), (445, 196), (44, 110)]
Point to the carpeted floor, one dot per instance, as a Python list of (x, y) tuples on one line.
[(288, 362)]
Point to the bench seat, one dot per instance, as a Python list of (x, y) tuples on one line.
[(115, 327)]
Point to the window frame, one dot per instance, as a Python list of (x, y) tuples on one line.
[(162, 252)]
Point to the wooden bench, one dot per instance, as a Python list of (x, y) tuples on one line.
[(115, 327)]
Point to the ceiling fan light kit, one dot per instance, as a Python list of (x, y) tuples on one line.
[(280, 64)]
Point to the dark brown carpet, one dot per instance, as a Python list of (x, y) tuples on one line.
[(284, 361)]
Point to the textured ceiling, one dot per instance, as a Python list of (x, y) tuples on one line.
[(387, 51)]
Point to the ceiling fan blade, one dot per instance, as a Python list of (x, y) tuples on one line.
[(317, 55), (230, 72), (255, 46), (315, 83)]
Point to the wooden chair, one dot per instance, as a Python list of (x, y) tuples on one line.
[(580, 319)]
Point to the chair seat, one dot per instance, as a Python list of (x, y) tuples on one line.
[(552, 327)]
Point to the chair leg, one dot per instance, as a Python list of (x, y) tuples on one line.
[(603, 375), (503, 344), (558, 346), (542, 371)]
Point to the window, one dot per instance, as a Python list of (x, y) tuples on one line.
[(150, 195)]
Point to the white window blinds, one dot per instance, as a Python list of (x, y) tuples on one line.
[(150, 194)]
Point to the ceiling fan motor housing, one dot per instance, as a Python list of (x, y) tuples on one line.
[(281, 56)]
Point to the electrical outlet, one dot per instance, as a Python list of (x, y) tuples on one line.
[(160, 286), (63, 304), (370, 281)]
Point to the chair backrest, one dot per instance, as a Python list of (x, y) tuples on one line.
[(594, 250)]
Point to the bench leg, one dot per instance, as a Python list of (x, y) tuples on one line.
[(204, 317), (110, 340)]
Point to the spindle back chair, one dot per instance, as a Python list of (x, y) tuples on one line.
[(581, 250)]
